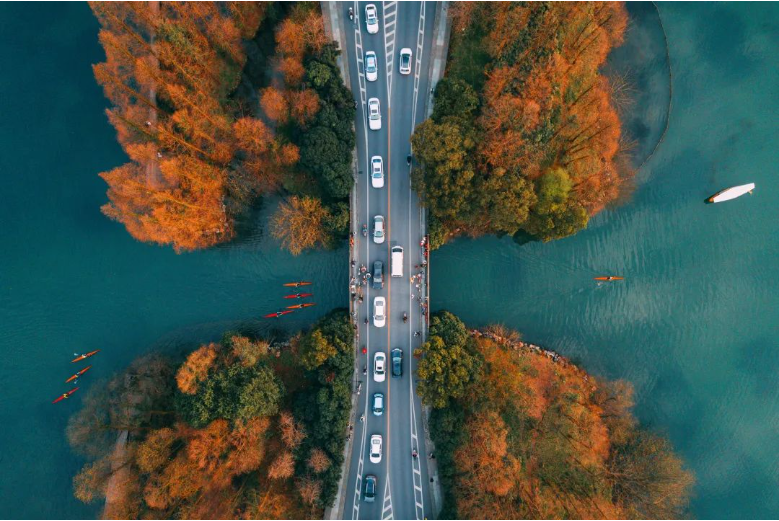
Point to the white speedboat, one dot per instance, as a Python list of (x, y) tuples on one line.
[(731, 193)]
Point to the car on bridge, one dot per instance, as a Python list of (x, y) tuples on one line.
[(374, 114), (378, 404), (379, 367), (378, 229), (397, 362), (405, 61), (378, 275), (375, 453), (370, 488), (371, 19), (379, 317), (377, 172), (371, 66)]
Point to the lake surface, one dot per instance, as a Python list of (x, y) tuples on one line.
[(694, 326)]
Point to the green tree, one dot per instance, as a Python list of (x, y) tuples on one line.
[(315, 350), (444, 181), (555, 215), (454, 97), (260, 396), (449, 327), (444, 371)]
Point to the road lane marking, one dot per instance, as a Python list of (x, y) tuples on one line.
[(386, 511), (390, 15)]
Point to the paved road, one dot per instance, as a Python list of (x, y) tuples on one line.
[(403, 484)]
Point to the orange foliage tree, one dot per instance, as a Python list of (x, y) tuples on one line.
[(543, 105), (169, 71), (535, 437)]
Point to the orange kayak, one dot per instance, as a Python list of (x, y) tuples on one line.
[(84, 357), (300, 306), (297, 284), (78, 374), (608, 279), (299, 295), (277, 314), (65, 395)]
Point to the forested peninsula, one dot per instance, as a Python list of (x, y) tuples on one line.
[(216, 104), (245, 428), (522, 433), (525, 137)]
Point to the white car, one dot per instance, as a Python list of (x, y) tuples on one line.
[(379, 317), (376, 448), (371, 19), (379, 367), (377, 172), (378, 229), (374, 114), (371, 66), (405, 61)]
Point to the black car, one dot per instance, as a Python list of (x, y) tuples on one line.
[(397, 362), (378, 275), (370, 488)]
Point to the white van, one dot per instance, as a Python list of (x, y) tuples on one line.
[(397, 261)]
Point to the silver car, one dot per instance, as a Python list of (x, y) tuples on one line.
[(377, 172), (371, 19), (378, 404), (371, 66), (374, 114), (405, 61), (378, 229)]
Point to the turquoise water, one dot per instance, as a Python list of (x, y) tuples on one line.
[(73, 281), (694, 327)]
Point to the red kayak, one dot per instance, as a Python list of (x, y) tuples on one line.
[(66, 395), (301, 306), (608, 279), (77, 374), (84, 357), (299, 295), (297, 284), (277, 314)]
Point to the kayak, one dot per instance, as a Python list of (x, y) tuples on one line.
[(297, 284), (277, 314), (607, 279), (84, 357), (300, 306), (77, 374), (731, 193), (299, 295), (66, 395)]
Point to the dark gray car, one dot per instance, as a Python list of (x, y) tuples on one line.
[(397, 362), (370, 488), (378, 275)]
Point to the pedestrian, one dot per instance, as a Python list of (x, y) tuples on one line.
[(412, 296)]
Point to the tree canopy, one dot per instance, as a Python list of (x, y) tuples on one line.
[(529, 436), (240, 429), (523, 99)]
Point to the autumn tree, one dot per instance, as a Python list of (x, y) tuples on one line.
[(169, 71), (524, 85), (533, 437), (299, 223)]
